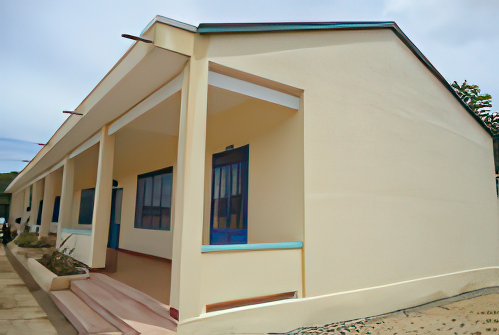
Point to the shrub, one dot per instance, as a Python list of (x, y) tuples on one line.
[(31, 240), (63, 264)]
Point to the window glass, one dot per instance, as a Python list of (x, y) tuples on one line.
[(235, 180), (39, 217), (153, 207), (156, 194), (148, 192), (140, 199), (55, 213), (86, 206), (166, 190)]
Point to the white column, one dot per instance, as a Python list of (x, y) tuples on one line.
[(48, 204), (188, 227), (16, 207), (35, 202), (102, 201), (67, 194)]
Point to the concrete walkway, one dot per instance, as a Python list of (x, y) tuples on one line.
[(473, 313), (19, 311)]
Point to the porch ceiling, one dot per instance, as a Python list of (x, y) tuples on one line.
[(138, 74), (163, 118), (220, 100)]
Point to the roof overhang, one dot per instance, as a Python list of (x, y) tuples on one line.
[(138, 74), (153, 65)]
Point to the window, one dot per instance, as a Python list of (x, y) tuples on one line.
[(55, 213), (86, 206), (229, 197), (153, 209), (39, 217)]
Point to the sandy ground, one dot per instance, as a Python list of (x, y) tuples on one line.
[(20, 313), (474, 313)]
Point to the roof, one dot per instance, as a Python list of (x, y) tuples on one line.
[(238, 28), (227, 28)]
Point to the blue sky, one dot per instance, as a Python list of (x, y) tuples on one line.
[(53, 53)]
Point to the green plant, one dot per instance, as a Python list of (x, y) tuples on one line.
[(62, 264), (31, 240)]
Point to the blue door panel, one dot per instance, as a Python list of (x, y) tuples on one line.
[(114, 225), (238, 239), (218, 238), (229, 197)]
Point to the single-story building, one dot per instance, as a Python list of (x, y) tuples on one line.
[(293, 173)]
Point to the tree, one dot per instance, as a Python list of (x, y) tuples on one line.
[(479, 103)]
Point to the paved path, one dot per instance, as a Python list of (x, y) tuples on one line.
[(20, 313), (474, 313)]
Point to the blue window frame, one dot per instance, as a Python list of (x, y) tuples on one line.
[(229, 197), (153, 206), (55, 213), (86, 206)]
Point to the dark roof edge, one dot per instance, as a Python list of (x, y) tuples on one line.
[(221, 28), (437, 74)]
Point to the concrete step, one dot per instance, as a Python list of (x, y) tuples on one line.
[(154, 305), (83, 318), (127, 314)]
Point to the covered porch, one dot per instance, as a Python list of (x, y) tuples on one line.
[(192, 192), (251, 198)]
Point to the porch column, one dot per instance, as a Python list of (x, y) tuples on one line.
[(48, 204), (188, 227), (37, 195), (16, 206), (102, 200), (67, 194)]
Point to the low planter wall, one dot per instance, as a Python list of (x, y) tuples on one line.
[(48, 280)]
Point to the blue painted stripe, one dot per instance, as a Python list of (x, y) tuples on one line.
[(214, 28), (255, 246), (77, 231)]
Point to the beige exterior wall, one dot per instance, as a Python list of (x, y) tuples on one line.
[(393, 163), (247, 274), (85, 176), (38, 189), (138, 152), (82, 245)]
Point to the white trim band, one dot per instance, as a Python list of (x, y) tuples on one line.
[(90, 142), (256, 91), (150, 102)]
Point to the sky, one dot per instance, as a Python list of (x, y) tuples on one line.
[(53, 53)]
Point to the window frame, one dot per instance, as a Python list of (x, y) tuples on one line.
[(152, 175)]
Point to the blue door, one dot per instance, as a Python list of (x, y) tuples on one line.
[(114, 225), (229, 197)]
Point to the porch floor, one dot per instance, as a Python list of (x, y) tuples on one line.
[(149, 275)]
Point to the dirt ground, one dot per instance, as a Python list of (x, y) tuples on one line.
[(473, 313), (20, 313)]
